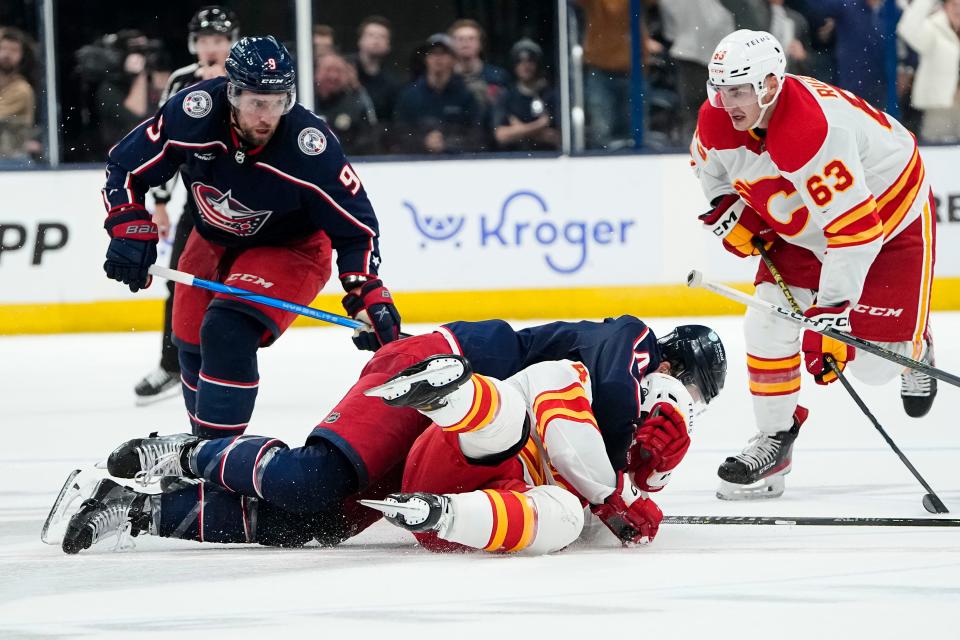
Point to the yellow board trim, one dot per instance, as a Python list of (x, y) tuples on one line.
[(430, 307)]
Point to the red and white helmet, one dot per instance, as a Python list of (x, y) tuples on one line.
[(745, 57)]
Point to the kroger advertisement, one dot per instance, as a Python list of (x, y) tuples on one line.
[(446, 226)]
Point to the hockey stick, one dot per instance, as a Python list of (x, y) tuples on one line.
[(814, 521), (931, 501), (191, 280), (695, 279)]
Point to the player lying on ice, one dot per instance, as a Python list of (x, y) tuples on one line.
[(256, 489), (509, 465), (836, 190)]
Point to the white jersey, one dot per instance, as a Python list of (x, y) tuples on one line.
[(832, 174)]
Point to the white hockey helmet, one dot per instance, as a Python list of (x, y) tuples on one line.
[(745, 57)]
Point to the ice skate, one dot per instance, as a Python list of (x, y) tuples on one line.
[(415, 512), (112, 511), (424, 386), (78, 486), (759, 470), (157, 385), (917, 389), (149, 459)]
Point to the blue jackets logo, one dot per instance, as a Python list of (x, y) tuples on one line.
[(222, 211), (525, 222)]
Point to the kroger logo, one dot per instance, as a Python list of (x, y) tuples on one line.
[(524, 222)]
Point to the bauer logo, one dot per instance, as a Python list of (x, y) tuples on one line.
[(524, 222)]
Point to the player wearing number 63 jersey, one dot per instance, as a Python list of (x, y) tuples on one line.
[(836, 190), (271, 191)]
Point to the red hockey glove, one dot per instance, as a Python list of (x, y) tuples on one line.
[(633, 518), (737, 224), (816, 346), (372, 303), (133, 246), (659, 445)]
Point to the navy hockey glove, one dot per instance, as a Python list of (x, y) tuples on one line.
[(133, 246), (372, 303)]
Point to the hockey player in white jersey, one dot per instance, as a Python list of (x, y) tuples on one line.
[(836, 190), (519, 459)]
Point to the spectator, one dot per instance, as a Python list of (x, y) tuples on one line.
[(125, 73), (17, 98), (695, 27), (485, 80), (524, 114), (932, 29), (749, 14), (381, 83), (793, 31), (606, 58), (859, 47), (345, 105), (324, 40), (437, 113)]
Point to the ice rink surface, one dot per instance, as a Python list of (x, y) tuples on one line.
[(68, 401)]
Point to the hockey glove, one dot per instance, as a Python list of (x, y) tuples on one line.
[(133, 246), (372, 303), (816, 346), (633, 518), (660, 443), (737, 224)]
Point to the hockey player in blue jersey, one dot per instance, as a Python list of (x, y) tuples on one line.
[(256, 489), (273, 195)]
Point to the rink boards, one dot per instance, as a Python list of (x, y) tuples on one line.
[(517, 238)]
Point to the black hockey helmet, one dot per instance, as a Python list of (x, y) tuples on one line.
[(212, 20), (261, 65), (697, 358)]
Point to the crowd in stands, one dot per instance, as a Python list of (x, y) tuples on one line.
[(451, 99), (454, 102), (19, 135)]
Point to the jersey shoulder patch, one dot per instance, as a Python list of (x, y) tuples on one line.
[(198, 103), (798, 128), (312, 141)]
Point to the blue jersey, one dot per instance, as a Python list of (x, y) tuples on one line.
[(299, 183), (617, 352)]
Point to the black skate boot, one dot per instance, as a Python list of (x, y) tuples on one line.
[(152, 458), (759, 470), (112, 510), (157, 385), (917, 389), (415, 512), (424, 386)]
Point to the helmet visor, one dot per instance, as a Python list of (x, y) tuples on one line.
[(731, 97), (253, 103)]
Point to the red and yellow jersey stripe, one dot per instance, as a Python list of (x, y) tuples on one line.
[(483, 409), (514, 521), (894, 203), (859, 225), (774, 376)]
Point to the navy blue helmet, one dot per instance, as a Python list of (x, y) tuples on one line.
[(697, 358), (261, 65)]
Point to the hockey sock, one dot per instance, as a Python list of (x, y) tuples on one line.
[(205, 513), (302, 480), (189, 372), (228, 381)]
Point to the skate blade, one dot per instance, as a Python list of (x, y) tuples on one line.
[(388, 508), (389, 389), (55, 525), (763, 490), (144, 401)]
